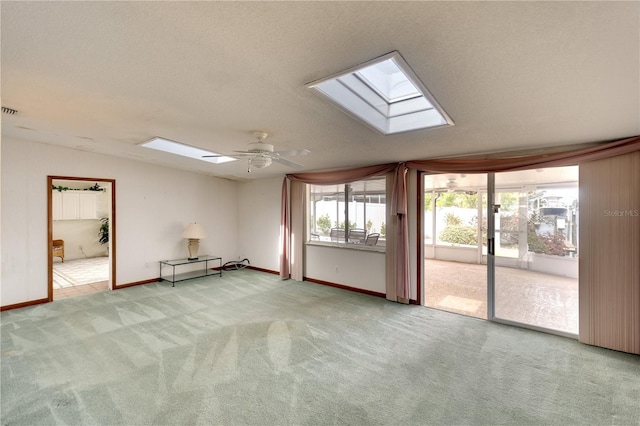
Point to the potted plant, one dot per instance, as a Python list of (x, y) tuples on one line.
[(103, 232)]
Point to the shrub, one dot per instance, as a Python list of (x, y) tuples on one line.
[(452, 220), (546, 243), (458, 234)]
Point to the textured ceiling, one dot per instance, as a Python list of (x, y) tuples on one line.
[(106, 76)]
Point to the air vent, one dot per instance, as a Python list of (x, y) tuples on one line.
[(9, 111)]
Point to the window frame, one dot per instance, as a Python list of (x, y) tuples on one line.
[(345, 194)]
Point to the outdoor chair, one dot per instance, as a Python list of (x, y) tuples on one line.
[(372, 239), (357, 235), (336, 234)]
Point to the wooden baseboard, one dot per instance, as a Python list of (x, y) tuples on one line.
[(345, 287), (153, 280), (24, 304), (268, 271), (149, 281), (330, 284)]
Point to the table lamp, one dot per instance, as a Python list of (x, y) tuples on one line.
[(194, 233)]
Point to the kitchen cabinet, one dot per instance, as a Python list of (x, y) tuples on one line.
[(74, 205)]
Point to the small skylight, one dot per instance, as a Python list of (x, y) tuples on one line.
[(385, 94), (185, 150)]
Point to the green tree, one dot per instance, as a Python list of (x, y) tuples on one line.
[(351, 225), (428, 201), (452, 220), (508, 201), (458, 199), (324, 224), (369, 225), (383, 229)]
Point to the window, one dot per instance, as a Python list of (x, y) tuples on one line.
[(352, 213)]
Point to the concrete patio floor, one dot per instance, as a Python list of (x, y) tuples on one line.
[(524, 296)]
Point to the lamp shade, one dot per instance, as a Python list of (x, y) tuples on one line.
[(194, 230)]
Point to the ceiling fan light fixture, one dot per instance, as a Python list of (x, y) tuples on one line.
[(261, 155), (260, 162), (260, 147)]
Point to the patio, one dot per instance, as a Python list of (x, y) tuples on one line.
[(524, 296)]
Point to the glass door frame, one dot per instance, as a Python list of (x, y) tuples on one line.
[(492, 210), (491, 247)]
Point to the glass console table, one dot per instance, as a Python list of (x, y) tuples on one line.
[(173, 278)]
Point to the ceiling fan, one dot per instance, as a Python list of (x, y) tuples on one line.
[(260, 154), (452, 187)]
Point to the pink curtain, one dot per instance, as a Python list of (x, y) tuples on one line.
[(558, 159), (284, 232), (398, 286), (400, 259), (335, 177)]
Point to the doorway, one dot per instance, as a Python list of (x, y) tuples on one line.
[(503, 247), (81, 236)]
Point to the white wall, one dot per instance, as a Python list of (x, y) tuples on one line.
[(153, 206), (259, 222), (79, 233), (351, 267)]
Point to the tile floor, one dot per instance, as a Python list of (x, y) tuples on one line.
[(524, 296), (80, 290), (79, 277)]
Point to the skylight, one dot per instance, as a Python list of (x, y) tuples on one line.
[(385, 94), (177, 148)]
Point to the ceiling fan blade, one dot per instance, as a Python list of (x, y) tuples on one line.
[(294, 152), (247, 152), (287, 163)]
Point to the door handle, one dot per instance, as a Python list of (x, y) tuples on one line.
[(491, 246)]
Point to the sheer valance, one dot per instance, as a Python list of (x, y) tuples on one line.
[(539, 161), (336, 177)]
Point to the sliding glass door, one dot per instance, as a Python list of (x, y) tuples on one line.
[(535, 249), (504, 246)]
